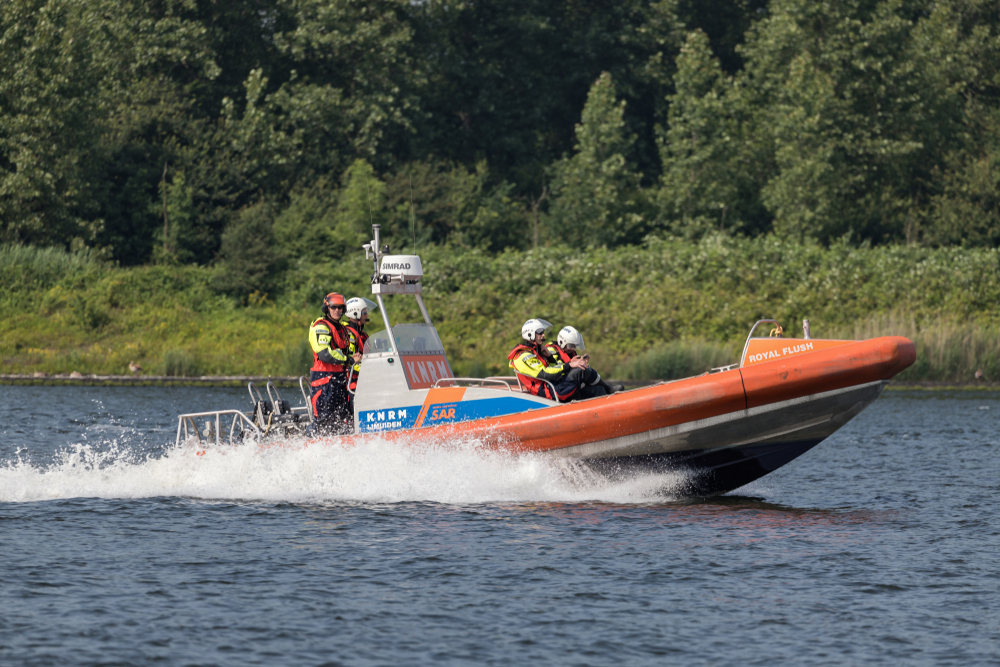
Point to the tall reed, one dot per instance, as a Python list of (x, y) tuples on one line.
[(678, 359), (947, 350), (179, 363), (43, 264)]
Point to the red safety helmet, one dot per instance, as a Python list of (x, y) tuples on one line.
[(333, 299)]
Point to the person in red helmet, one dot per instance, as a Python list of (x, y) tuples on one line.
[(329, 340)]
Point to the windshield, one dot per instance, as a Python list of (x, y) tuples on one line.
[(410, 339)]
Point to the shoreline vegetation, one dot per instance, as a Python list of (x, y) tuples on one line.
[(182, 182), (667, 309)]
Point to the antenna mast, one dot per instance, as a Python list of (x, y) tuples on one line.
[(371, 216), (413, 228)]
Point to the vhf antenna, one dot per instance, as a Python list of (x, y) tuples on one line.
[(413, 229), (371, 216), (375, 229)]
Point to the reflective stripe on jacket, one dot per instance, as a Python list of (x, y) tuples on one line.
[(356, 344), (530, 363), (557, 352), (328, 341)]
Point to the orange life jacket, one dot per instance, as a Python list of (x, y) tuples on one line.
[(559, 353), (362, 338), (534, 385), (339, 341), (563, 356)]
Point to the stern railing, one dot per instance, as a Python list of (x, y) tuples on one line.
[(186, 426), (474, 382)]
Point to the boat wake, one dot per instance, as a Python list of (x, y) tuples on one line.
[(376, 471)]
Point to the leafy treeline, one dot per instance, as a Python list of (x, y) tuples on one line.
[(254, 133), (663, 309)]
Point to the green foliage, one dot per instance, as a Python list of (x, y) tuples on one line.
[(250, 260), (323, 224), (713, 290), (506, 81), (699, 149), (76, 79), (47, 81), (693, 301), (297, 358), (966, 211), (596, 195), (179, 363), (858, 101), (453, 204), (677, 360), (724, 22), (341, 85), (874, 118), (180, 237), (24, 268)]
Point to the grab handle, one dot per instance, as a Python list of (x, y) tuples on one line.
[(251, 387), (275, 397), (305, 397)]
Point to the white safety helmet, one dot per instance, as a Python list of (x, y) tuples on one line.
[(357, 306), (570, 336), (532, 328)]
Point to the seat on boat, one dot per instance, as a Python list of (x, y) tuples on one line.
[(523, 382)]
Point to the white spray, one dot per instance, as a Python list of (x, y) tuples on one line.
[(375, 471)]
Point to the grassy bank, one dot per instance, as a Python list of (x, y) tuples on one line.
[(667, 309)]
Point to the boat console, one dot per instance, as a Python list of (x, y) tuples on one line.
[(406, 381)]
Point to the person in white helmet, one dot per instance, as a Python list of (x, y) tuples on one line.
[(357, 317), (569, 345), (541, 373)]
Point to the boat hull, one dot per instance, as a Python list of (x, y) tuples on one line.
[(722, 430), (722, 455), (725, 429)]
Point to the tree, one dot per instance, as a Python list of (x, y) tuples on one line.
[(83, 86), (699, 147), (48, 86), (249, 258), (506, 81), (597, 197), (724, 22), (454, 204), (342, 89), (855, 114), (962, 43), (966, 211), (324, 224)]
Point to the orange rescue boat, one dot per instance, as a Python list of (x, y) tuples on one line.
[(726, 428)]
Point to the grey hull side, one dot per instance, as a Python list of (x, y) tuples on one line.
[(726, 452)]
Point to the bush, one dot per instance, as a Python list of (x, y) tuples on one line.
[(179, 363), (297, 359), (673, 361), (250, 259)]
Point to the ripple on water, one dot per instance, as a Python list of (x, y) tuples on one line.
[(878, 546)]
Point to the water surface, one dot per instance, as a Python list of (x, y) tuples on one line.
[(880, 546)]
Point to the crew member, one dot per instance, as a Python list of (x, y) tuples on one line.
[(328, 376), (357, 318), (571, 380), (567, 346)]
